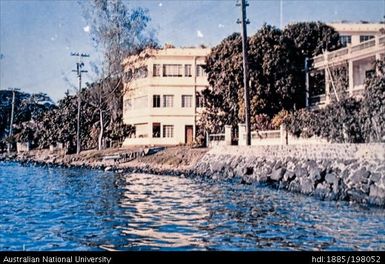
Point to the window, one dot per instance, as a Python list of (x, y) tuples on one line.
[(156, 70), (201, 71), (365, 38), (345, 40), (186, 100), (156, 130), (168, 100), (127, 76), (172, 70), (187, 70), (156, 100), (199, 102), (141, 130), (168, 131)]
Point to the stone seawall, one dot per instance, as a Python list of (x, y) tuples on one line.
[(351, 172)]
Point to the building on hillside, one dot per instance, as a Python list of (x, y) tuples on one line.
[(365, 45), (163, 102)]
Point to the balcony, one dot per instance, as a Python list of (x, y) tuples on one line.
[(369, 47), (364, 45)]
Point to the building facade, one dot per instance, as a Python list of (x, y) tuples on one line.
[(364, 45), (355, 33), (163, 102)]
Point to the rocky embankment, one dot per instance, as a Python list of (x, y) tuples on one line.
[(349, 172), (333, 172)]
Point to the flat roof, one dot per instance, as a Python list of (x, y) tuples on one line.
[(357, 27), (167, 52)]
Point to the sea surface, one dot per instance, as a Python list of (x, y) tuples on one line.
[(78, 209)]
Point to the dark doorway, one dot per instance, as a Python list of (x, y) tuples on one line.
[(156, 130), (189, 134)]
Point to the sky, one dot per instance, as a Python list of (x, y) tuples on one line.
[(37, 36)]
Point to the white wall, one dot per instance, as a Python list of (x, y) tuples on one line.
[(176, 115)]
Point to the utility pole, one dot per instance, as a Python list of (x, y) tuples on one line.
[(244, 21), (12, 114), (307, 81), (281, 14), (79, 71)]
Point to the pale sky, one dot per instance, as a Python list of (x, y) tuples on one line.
[(37, 36)]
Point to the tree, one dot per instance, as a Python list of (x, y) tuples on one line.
[(59, 123), (118, 32), (312, 38), (222, 100), (348, 120), (274, 79), (28, 109), (373, 106)]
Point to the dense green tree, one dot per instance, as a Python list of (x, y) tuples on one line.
[(222, 99), (312, 38), (277, 80), (274, 79), (59, 124), (338, 122), (28, 108), (373, 106), (349, 120)]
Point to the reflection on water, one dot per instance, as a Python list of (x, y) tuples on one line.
[(73, 209)]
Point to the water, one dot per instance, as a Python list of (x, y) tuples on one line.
[(76, 209)]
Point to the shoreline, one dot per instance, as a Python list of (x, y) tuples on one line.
[(171, 161), (335, 172)]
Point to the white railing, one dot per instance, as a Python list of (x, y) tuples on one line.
[(279, 137), (381, 40), (364, 45), (338, 53), (266, 134), (215, 139), (262, 137), (259, 138), (350, 50)]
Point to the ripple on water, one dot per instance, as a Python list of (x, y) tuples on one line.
[(74, 209)]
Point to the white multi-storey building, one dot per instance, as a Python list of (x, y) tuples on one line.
[(163, 102), (365, 43), (355, 33)]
